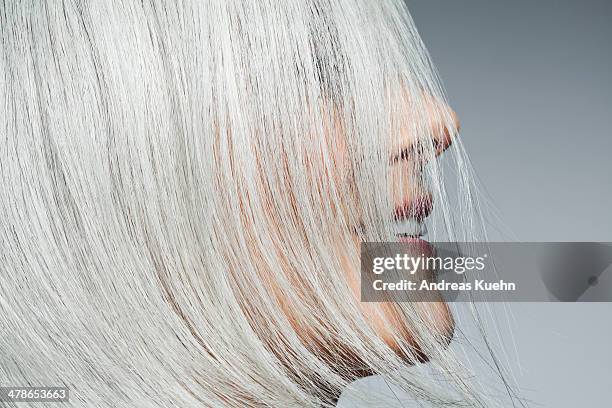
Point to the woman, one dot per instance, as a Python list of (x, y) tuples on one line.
[(185, 190)]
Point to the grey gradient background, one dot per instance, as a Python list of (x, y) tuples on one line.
[(531, 81)]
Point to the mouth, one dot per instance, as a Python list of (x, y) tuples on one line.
[(410, 217), (417, 208), (410, 228), (410, 232)]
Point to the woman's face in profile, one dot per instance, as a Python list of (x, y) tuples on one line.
[(412, 203)]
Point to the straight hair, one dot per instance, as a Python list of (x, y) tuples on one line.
[(164, 163)]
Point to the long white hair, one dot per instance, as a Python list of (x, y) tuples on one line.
[(164, 164)]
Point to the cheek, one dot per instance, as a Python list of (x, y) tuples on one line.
[(404, 181), (330, 171)]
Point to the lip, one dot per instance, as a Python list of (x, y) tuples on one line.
[(417, 246), (418, 208)]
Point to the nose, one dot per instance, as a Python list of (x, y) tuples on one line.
[(434, 122), (443, 124)]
